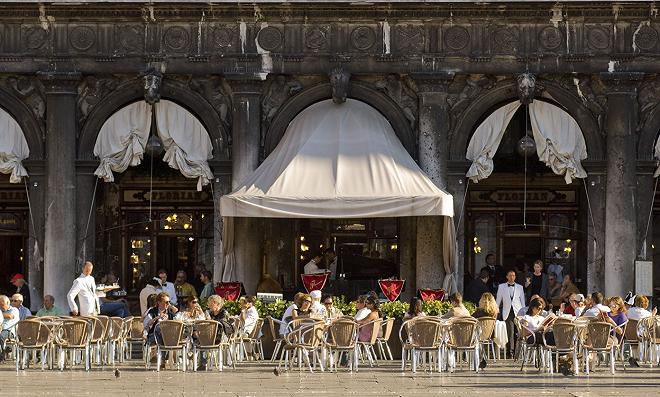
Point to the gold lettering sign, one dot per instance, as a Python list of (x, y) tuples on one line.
[(131, 196), (515, 196)]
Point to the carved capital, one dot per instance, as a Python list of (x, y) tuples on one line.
[(622, 83), (245, 84), (60, 83), (433, 82), (90, 93)]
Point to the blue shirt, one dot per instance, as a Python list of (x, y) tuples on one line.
[(8, 323), (23, 312)]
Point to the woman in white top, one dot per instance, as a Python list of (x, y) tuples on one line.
[(193, 311), (362, 310), (639, 311), (537, 324)]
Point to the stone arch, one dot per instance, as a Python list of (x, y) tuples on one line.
[(357, 90), (31, 127), (172, 90), (506, 91), (648, 135)]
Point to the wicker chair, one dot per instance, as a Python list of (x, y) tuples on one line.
[(115, 339), (73, 337), (464, 337), (274, 325), (206, 332), (172, 340), (253, 340), (134, 335), (368, 346), (565, 335), (422, 336), (648, 330), (527, 350), (32, 335), (486, 332), (600, 340), (382, 341), (96, 330), (302, 341), (341, 337)]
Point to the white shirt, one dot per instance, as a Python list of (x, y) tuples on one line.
[(286, 317), (510, 297), (595, 311), (316, 308), (533, 322), (171, 291), (637, 313), (144, 295), (362, 314), (84, 287), (8, 323), (311, 267), (250, 320)]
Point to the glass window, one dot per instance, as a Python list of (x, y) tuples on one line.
[(484, 240), (176, 221)]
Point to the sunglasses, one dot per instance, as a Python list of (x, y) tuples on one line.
[(307, 301), (327, 303), (194, 302)]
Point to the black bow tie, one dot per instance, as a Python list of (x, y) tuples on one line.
[(511, 285)]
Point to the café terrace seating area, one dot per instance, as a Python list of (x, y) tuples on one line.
[(427, 344)]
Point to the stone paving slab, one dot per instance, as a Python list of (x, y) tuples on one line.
[(258, 379)]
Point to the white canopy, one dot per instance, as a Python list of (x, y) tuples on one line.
[(124, 135), (13, 148), (657, 156), (338, 161), (558, 137)]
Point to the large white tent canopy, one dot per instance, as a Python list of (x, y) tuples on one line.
[(13, 148), (559, 140), (338, 161)]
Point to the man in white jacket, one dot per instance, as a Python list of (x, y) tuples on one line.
[(84, 287), (511, 298)]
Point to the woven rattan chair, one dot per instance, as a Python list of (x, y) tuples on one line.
[(172, 341), (301, 342), (274, 325), (32, 335), (422, 336), (115, 339), (382, 342), (565, 335), (341, 338), (96, 330), (648, 330), (368, 346), (206, 332), (73, 336), (527, 350), (135, 334), (600, 340), (463, 337), (486, 332)]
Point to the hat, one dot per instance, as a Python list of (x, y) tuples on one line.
[(579, 298), (316, 294), (17, 276)]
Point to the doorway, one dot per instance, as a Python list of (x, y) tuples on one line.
[(517, 251), (12, 258)]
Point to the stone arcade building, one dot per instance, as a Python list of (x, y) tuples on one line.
[(436, 70)]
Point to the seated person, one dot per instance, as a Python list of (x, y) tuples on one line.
[(536, 323), (49, 308), (487, 306), (595, 306), (616, 316), (414, 309), (361, 306), (17, 302), (554, 290), (575, 305), (640, 310), (193, 311), (288, 313), (366, 329), (151, 288), (182, 287), (112, 302), (218, 313), (249, 315), (525, 309), (10, 317), (329, 312), (457, 310), (163, 310)]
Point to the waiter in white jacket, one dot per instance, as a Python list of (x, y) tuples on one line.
[(510, 299), (84, 287)]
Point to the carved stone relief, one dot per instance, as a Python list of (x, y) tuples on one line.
[(409, 38), (317, 37), (177, 38), (35, 37), (217, 92), (591, 92), (598, 38), (82, 38), (152, 84), (506, 40), (463, 90), (223, 38), (129, 38), (645, 38), (277, 91), (456, 38), (31, 92), (526, 87), (363, 38), (90, 93), (339, 80), (403, 92), (270, 38), (648, 99), (550, 38)]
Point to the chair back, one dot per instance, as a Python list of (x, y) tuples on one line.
[(462, 332), (256, 331), (423, 333), (564, 333), (117, 327), (98, 329), (274, 331), (206, 332), (171, 332), (32, 333), (388, 326), (375, 330), (105, 320), (487, 328), (599, 334), (73, 332), (631, 331), (136, 329), (342, 333)]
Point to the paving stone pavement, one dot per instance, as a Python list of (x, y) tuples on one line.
[(258, 379)]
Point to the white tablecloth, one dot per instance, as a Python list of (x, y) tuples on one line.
[(500, 338)]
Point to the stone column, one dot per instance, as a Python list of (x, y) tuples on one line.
[(36, 190), (620, 215), (595, 239), (86, 191), (456, 186), (433, 122), (221, 186), (246, 139), (60, 215)]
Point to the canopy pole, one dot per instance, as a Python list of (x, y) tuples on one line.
[(34, 230), (460, 215), (525, 185), (648, 221)]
